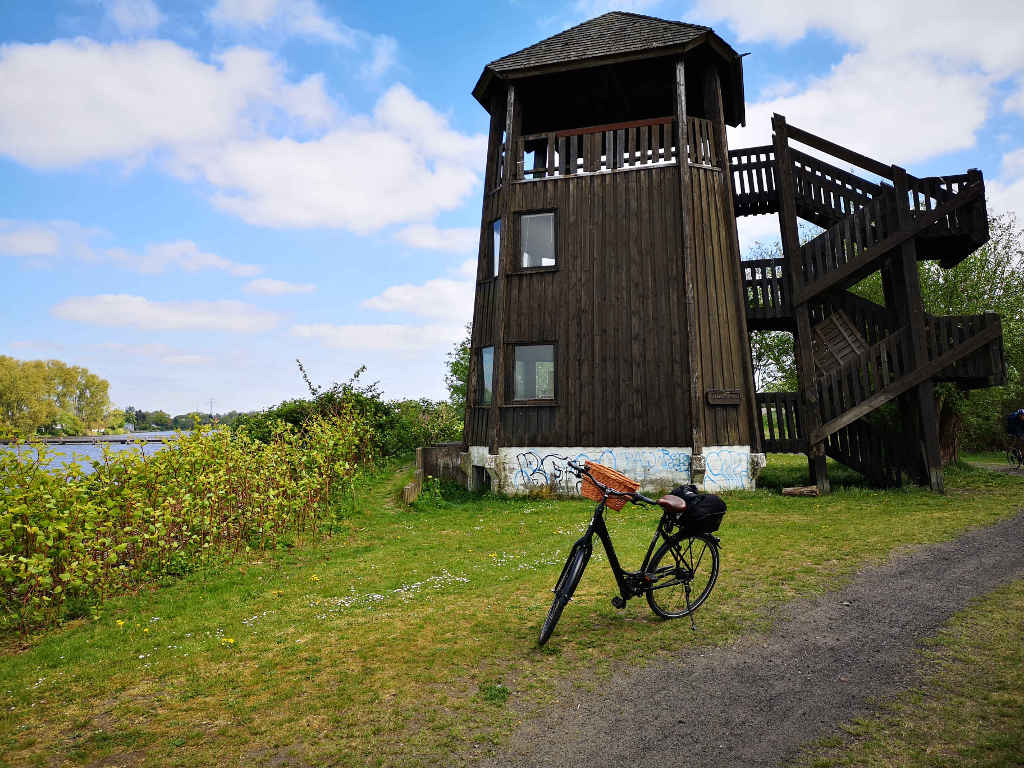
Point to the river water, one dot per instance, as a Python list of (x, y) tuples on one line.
[(84, 453)]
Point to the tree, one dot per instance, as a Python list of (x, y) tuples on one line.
[(25, 401), (457, 377), (160, 419), (774, 362)]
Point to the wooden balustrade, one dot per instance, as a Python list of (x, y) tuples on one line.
[(764, 288), (753, 180), (597, 148), (779, 422)]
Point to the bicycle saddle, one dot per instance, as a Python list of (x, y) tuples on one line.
[(672, 503)]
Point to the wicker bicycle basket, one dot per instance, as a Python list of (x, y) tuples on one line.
[(612, 479)]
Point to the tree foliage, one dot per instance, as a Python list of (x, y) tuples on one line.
[(457, 377), (50, 397), (396, 426)]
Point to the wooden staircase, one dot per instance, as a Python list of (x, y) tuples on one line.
[(855, 356)]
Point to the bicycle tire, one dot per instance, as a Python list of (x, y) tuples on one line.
[(1014, 458), (571, 575), (693, 561)]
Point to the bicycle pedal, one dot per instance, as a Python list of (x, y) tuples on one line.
[(618, 602)]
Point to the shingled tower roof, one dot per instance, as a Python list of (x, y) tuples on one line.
[(612, 37)]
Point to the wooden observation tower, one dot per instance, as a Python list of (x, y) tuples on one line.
[(613, 311)]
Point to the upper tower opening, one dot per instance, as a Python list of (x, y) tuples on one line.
[(615, 68)]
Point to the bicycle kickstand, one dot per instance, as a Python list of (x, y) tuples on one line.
[(693, 624)]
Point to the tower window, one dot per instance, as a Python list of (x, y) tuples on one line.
[(495, 245), (487, 375), (537, 240), (535, 372)]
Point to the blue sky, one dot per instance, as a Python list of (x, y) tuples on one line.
[(193, 194)]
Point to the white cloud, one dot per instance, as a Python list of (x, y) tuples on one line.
[(439, 298), (909, 63), (70, 102), (1006, 193), (270, 287), (273, 152), (400, 339), (183, 254), (54, 240), (882, 105), (299, 18), (451, 240), (987, 33), (19, 239), (383, 55), (122, 310), (161, 352), (135, 16), (404, 164)]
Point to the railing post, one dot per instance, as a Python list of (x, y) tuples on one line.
[(906, 291), (802, 339)]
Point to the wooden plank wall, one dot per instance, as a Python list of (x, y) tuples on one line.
[(613, 307), (717, 311)]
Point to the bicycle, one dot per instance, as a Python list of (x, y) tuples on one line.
[(686, 562), (1014, 454)]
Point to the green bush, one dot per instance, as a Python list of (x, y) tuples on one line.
[(70, 538), (396, 426)]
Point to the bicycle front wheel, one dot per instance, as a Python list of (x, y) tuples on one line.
[(683, 573), (1014, 457), (571, 575)]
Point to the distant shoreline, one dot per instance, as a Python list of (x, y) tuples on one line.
[(127, 438)]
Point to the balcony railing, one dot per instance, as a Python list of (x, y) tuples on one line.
[(612, 147)]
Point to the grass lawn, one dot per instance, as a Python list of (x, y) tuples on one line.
[(411, 637), (968, 709)]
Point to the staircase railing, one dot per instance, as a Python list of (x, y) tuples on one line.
[(779, 422), (764, 285), (753, 180)]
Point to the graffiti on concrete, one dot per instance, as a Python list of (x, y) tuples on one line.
[(535, 469), (726, 469)]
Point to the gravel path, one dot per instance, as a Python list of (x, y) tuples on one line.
[(756, 702)]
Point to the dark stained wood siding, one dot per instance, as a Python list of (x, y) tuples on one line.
[(611, 307), (718, 313)]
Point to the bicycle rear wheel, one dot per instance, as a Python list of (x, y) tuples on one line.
[(564, 589), (683, 573)]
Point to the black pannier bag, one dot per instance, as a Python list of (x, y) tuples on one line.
[(704, 512)]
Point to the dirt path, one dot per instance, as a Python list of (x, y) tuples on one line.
[(756, 702)]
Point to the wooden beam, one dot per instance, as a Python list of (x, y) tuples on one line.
[(716, 111), (512, 121), (696, 378), (901, 385), (803, 338), (841, 152)]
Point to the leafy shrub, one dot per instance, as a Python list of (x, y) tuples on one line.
[(396, 426), (68, 539)]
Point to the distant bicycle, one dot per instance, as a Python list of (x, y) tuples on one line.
[(1015, 455), (675, 577)]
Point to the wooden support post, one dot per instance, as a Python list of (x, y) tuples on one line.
[(491, 181), (689, 267), (714, 110), (512, 123), (802, 341), (910, 311)]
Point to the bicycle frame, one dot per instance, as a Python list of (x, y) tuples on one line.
[(630, 583)]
